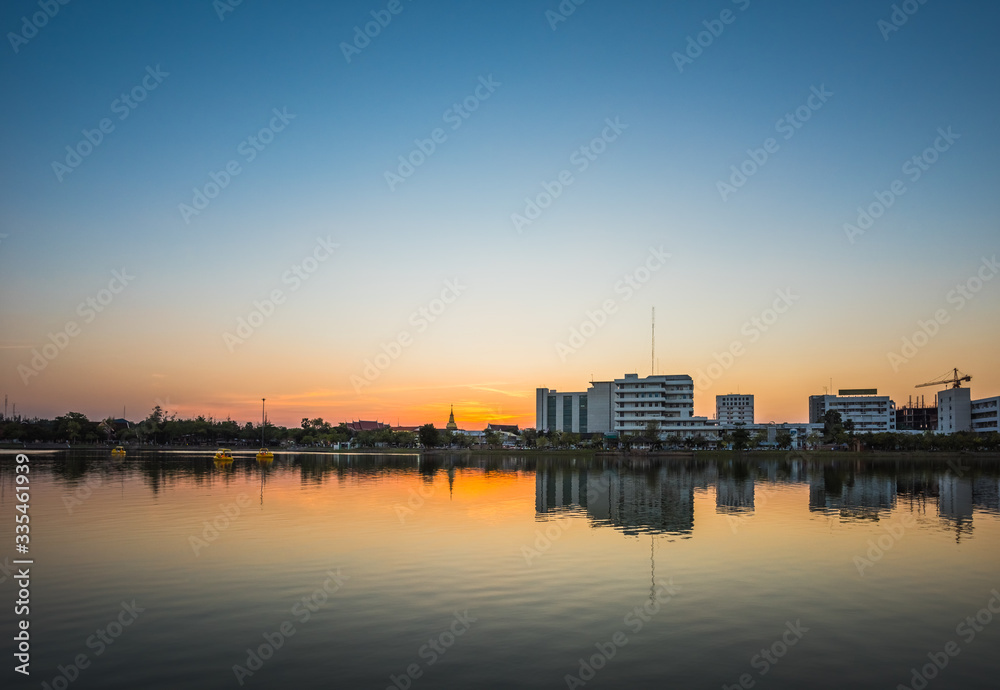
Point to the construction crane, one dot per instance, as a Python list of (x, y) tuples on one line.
[(955, 380)]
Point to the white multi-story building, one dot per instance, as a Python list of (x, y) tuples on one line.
[(864, 407), (667, 400), (985, 414), (660, 399), (954, 410), (734, 409)]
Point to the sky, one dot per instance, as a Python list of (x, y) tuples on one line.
[(377, 210)]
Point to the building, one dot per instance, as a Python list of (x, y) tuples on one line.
[(579, 413), (451, 425), (985, 415), (366, 426), (954, 410), (662, 399), (734, 409), (916, 416), (667, 400), (864, 407)]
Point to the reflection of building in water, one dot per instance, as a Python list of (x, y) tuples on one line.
[(635, 503), (560, 489), (852, 495), (955, 503), (734, 495), (986, 494)]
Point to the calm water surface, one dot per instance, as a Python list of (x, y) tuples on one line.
[(350, 571)]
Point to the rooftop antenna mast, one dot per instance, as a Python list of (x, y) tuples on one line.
[(652, 350)]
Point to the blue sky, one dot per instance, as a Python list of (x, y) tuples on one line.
[(656, 184)]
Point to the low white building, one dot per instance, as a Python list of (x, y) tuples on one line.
[(985, 414), (734, 409), (868, 411)]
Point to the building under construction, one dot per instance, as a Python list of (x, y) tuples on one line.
[(915, 415)]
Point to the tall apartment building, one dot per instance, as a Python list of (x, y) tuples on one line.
[(660, 399), (868, 410), (734, 409), (954, 410), (588, 412), (985, 414), (667, 400)]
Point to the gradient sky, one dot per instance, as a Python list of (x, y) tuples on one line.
[(161, 340)]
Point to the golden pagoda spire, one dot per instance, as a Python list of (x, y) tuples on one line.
[(451, 420)]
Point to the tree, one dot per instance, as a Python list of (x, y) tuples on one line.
[(492, 438), (429, 436), (529, 437), (741, 438), (813, 439), (784, 439), (833, 427), (725, 438), (652, 433), (758, 438)]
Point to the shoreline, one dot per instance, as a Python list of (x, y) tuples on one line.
[(768, 454)]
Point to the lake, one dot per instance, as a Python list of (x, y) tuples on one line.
[(166, 570)]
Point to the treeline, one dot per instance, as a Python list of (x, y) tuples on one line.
[(161, 428), (929, 441)]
